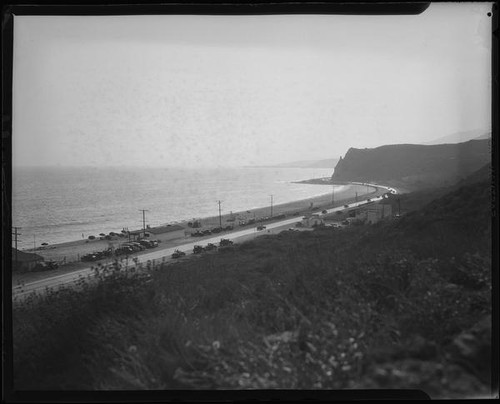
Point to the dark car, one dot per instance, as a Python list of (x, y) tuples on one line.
[(124, 250), (197, 249), (261, 227), (46, 266), (89, 258), (225, 242), (324, 211), (178, 254)]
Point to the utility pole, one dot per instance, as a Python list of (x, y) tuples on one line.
[(143, 221), (271, 206), (220, 217), (34, 243), (356, 196), (333, 194), (16, 240)]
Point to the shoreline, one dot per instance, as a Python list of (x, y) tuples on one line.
[(68, 254), (211, 221)]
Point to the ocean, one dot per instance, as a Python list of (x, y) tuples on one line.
[(54, 205)]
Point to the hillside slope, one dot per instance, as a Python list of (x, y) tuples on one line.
[(403, 304), (416, 166)]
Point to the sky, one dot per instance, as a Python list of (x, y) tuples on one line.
[(204, 91)]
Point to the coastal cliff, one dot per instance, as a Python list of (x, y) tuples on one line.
[(414, 165)]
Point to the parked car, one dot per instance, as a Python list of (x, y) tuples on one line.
[(46, 266), (178, 254), (261, 227), (88, 258), (134, 246), (124, 250), (346, 206), (149, 243), (225, 242), (210, 247), (197, 249), (324, 212)]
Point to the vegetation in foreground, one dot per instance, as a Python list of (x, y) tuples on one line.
[(403, 304)]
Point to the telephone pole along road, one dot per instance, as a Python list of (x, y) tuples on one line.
[(164, 255)]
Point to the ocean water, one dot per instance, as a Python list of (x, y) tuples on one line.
[(55, 205)]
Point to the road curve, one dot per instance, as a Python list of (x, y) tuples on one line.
[(164, 255)]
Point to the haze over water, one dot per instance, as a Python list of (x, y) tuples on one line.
[(55, 205)]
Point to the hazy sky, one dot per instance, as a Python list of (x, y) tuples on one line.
[(244, 90)]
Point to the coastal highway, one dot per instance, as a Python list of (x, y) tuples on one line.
[(164, 255)]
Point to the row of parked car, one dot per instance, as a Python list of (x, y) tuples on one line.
[(135, 246), (215, 230), (96, 256), (197, 249), (46, 266), (263, 219), (126, 248)]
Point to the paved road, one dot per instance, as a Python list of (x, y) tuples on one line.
[(164, 255)]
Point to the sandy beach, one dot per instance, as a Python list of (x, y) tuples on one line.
[(68, 254)]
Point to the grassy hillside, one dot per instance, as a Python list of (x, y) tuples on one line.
[(400, 304), (417, 166)]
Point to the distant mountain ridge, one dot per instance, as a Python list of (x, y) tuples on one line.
[(461, 137), (414, 165)]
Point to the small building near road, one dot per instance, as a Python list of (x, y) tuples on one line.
[(374, 213), (312, 220), (23, 261), (166, 232)]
